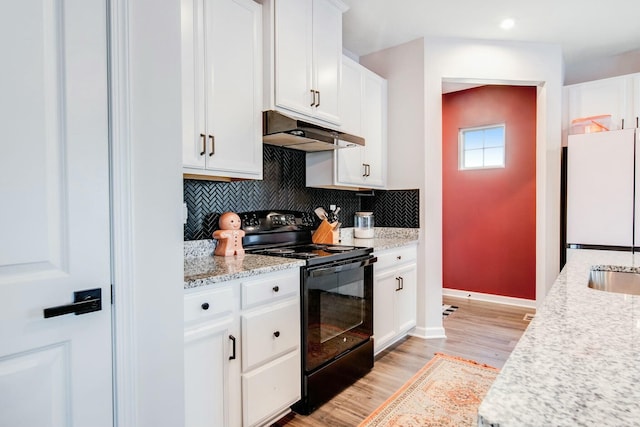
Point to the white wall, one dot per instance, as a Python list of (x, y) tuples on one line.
[(148, 231), (403, 67), (504, 63), (601, 68), (465, 61)]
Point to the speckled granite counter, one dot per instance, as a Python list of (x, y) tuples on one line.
[(384, 238), (578, 362), (201, 268)]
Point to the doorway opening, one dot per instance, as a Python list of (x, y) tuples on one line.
[(489, 214)]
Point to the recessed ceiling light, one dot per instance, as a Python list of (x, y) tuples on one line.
[(507, 24)]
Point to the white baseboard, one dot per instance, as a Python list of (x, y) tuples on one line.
[(427, 333), (498, 299)]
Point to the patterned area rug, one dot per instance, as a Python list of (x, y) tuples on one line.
[(445, 392)]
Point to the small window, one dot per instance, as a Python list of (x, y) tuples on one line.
[(482, 147)]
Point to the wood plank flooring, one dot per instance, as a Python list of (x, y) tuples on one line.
[(484, 332)]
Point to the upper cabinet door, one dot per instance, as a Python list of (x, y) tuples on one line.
[(608, 96), (327, 57), (222, 88), (600, 178), (294, 55), (374, 129), (194, 125), (307, 55), (636, 101), (350, 169), (234, 53)]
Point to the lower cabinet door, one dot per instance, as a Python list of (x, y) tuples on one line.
[(206, 370), (406, 298), (270, 389), (384, 317)]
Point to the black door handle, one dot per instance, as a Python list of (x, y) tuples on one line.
[(85, 301), (233, 340)]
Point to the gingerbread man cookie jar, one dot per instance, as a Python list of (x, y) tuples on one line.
[(229, 236)]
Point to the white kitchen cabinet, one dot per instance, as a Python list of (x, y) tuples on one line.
[(363, 98), (222, 88), (600, 192), (395, 287), (600, 97), (212, 356), (303, 39), (636, 102), (242, 350), (271, 370)]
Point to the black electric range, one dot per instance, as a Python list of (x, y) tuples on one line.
[(336, 301), (289, 234)]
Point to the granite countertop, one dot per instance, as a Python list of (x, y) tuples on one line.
[(384, 238), (201, 268), (578, 362), (207, 270)]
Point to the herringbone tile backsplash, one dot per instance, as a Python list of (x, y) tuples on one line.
[(283, 187)]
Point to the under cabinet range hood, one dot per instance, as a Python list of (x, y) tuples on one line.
[(284, 131)]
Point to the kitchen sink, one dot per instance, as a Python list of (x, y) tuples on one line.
[(621, 282)]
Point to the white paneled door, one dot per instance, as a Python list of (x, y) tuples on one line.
[(54, 214)]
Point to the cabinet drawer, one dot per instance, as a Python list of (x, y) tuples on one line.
[(208, 304), (271, 389), (273, 288), (396, 256), (269, 333)]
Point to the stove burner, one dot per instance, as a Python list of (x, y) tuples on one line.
[(280, 251), (306, 255), (339, 248)]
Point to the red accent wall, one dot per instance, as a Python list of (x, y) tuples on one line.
[(489, 229)]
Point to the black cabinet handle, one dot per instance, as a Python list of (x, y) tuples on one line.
[(204, 144), (401, 282), (318, 103), (276, 334), (398, 287), (276, 288), (213, 145), (233, 340), (313, 93), (86, 301), (205, 306)]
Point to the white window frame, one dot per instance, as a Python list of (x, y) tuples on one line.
[(462, 151)]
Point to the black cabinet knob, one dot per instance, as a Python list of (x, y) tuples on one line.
[(276, 288), (276, 334), (205, 306)]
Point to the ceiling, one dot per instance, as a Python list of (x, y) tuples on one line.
[(585, 29)]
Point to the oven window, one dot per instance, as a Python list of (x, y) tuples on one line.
[(337, 309)]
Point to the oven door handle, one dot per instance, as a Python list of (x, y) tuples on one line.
[(343, 267)]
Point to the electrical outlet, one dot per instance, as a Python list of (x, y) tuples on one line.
[(185, 213), (332, 207)]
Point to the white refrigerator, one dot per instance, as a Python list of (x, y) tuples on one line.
[(602, 181)]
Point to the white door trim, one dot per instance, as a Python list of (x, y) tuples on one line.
[(124, 344)]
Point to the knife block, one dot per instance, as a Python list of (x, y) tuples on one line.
[(324, 234)]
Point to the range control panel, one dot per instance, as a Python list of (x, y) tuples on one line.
[(283, 220)]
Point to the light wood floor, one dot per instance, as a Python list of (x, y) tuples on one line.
[(484, 332)]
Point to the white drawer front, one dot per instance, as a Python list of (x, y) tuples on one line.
[(396, 256), (269, 333), (269, 289), (271, 389), (208, 304)]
